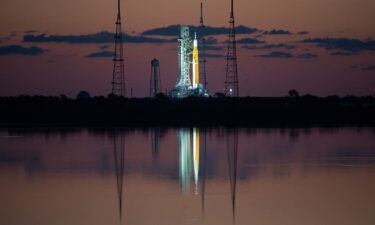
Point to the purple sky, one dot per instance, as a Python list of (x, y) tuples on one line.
[(324, 66)]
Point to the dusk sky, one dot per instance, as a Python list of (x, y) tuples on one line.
[(320, 47)]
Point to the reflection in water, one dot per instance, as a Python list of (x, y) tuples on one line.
[(119, 152), (189, 140), (232, 147), (204, 169), (185, 159), (190, 162), (155, 136), (321, 173)]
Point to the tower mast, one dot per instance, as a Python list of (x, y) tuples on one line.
[(203, 56), (231, 76), (118, 76)]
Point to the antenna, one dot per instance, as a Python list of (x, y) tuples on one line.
[(231, 76), (203, 60), (118, 75), (231, 9), (201, 20)]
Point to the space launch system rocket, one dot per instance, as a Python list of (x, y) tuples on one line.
[(195, 62)]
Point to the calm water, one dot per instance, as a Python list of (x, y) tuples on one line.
[(189, 176)]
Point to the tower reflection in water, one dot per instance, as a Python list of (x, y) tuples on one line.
[(119, 161), (192, 162)]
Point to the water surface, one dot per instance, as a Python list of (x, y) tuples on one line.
[(171, 176)]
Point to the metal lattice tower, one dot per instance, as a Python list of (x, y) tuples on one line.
[(231, 76), (118, 78), (155, 81), (203, 60)]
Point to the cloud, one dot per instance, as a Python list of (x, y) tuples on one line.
[(303, 33), (368, 68), (212, 48), (249, 41), (307, 56), (347, 44), (30, 31), (276, 55), (104, 47), (207, 55), (17, 49), (101, 37), (275, 31), (210, 41), (100, 54), (270, 46), (344, 53), (174, 30)]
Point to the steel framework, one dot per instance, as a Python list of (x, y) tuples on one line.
[(155, 81), (118, 76), (231, 77), (203, 60)]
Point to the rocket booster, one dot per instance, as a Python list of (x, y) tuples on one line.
[(195, 63)]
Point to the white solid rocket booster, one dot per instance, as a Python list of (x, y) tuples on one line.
[(195, 63)]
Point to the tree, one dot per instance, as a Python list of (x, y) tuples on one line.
[(293, 93)]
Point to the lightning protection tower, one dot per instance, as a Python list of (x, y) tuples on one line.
[(155, 81), (118, 77), (231, 77), (203, 60)]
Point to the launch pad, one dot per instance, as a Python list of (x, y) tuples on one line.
[(188, 62)]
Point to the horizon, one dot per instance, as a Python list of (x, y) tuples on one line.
[(284, 53)]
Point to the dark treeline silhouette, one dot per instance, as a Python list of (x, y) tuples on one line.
[(293, 110)]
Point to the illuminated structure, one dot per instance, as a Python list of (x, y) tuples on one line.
[(195, 63), (118, 75), (155, 81), (189, 159), (188, 84), (231, 78)]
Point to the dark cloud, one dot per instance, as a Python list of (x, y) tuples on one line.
[(30, 31), (101, 37), (368, 68), (210, 41), (17, 49), (347, 44), (100, 54), (212, 48), (270, 46), (207, 55), (307, 56), (344, 53), (174, 30), (303, 33), (104, 47), (275, 31), (276, 55), (250, 41)]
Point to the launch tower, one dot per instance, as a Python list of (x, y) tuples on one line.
[(188, 79), (231, 78), (118, 76)]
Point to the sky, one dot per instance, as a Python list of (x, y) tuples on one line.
[(316, 47)]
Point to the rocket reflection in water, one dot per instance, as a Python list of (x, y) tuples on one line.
[(189, 143), (191, 159)]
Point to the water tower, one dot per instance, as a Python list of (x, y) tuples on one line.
[(155, 81)]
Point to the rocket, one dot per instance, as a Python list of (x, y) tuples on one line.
[(195, 63)]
